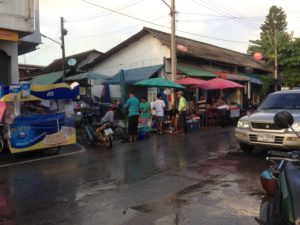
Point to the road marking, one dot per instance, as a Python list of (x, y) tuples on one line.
[(41, 159)]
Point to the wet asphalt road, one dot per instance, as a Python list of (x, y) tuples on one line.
[(202, 178)]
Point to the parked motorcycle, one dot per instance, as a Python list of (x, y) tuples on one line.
[(281, 182), (97, 132)]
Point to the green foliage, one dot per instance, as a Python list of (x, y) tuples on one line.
[(268, 82), (275, 25), (290, 62)]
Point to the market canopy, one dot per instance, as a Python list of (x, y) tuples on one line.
[(134, 75), (194, 72), (191, 81), (158, 82), (219, 83), (48, 78), (88, 76)]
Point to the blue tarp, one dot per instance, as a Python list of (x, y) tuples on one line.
[(134, 75)]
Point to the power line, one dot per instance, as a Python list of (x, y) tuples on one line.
[(97, 15), (234, 11), (221, 16), (117, 31), (155, 24), (223, 11)]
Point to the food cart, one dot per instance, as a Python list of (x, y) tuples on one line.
[(39, 116)]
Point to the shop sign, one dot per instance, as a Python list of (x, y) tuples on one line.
[(255, 80), (9, 35)]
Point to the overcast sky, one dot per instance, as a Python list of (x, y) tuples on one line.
[(210, 21)]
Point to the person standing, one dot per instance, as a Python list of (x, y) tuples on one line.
[(182, 107), (222, 108), (159, 107), (132, 104), (145, 108)]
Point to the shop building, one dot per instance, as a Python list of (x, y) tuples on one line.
[(19, 34), (149, 48)]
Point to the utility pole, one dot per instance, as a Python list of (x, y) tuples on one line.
[(173, 41), (63, 33), (276, 59)]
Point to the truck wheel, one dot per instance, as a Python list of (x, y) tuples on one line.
[(247, 148)]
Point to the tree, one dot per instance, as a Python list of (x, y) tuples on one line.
[(275, 26), (290, 62)]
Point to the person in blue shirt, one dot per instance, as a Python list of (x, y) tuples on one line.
[(133, 106)]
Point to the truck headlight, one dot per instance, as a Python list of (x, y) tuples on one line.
[(296, 127), (243, 124)]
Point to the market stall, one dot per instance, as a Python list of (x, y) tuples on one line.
[(39, 116)]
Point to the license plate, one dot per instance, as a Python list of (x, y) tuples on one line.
[(108, 131), (266, 138)]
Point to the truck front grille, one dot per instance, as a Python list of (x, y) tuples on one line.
[(265, 126)]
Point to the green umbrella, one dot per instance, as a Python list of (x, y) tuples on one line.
[(158, 82), (88, 75)]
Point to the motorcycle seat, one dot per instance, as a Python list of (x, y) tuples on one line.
[(293, 181), (101, 124)]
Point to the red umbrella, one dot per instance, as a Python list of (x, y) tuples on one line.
[(219, 83), (192, 81)]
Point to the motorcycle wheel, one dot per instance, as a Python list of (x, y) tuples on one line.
[(107, 142), (51, 151), (264, 211), (2, 145)]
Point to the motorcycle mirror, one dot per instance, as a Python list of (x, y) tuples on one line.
[(283, 119)]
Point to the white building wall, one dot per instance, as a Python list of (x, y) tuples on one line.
[(147, 51), (17, 15)]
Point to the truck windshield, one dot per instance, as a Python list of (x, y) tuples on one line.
[(281, 101)]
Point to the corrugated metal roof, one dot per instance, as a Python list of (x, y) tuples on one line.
[(48, 78), (56, 65), (88, 75), (134, 75), (192, 48), (194, 72)]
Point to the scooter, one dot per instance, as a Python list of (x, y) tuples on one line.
[(281, 182), (97, 132)]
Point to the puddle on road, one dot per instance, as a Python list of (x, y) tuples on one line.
[(94, 188), (229, 193)]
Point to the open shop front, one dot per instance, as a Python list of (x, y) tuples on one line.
[(39, 116)]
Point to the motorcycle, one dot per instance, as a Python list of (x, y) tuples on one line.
[(281, 204), (97, 132)]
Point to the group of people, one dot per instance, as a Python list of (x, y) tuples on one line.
[(142, 112)]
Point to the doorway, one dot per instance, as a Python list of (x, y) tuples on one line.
[(4, 68)]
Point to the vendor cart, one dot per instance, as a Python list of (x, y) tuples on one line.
[(39, 116)]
